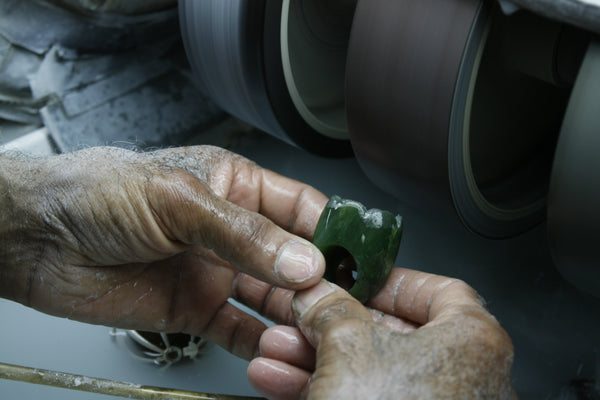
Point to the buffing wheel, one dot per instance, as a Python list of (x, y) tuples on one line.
[(314, 43), (450, 104), (234, 47)]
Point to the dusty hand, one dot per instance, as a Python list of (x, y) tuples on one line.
[(153, 241), (424, 337)]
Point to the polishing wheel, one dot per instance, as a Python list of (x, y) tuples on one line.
[(314, 43), (574, 197), (449, 105), (454, 106), (235, 49)]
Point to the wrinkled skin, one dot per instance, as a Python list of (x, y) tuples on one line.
[(160, 241), (422, 337), (152, 241)]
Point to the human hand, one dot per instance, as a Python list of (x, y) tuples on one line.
[(153, 241), (423, 337)]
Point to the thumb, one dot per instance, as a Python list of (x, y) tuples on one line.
[(192, 214), (324, 307)]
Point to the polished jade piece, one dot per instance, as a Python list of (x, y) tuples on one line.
[(371, 237)]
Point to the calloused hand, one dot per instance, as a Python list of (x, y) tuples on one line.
[(422, 337), (153, 241)]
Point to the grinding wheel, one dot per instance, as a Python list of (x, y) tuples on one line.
[(234, 47), (574, 197), (314, 43), (440, 117)]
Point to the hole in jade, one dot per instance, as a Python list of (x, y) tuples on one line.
[(341, 267)]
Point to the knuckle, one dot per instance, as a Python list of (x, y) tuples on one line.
[(487, 339), (460, 287), (346, 335), (277, 306), (176, 182), (297, 209), (497, 340), (340, 318), (176, 198), (248, 232), (258, 228)]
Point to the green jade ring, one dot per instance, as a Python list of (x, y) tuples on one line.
[(371, 237)]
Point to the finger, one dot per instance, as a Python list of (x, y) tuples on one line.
[(422, 297), (325, 307), (268, 300), (293, 205), (276, 379), (287, 344), (191, 213), (235, 331)]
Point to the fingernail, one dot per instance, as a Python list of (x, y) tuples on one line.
[(297, 261), (305, 299)]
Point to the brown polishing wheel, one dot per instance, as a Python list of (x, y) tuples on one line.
[(574, 197), (456, 107)]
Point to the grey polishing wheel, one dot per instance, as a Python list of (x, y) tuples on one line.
[(507, 110), (574, 197), (234, 48), (439, 117)]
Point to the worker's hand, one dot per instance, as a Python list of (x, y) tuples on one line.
[(423, 337), (153, 241)]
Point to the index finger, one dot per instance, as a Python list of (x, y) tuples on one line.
[(293, 205), (422, 297)]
